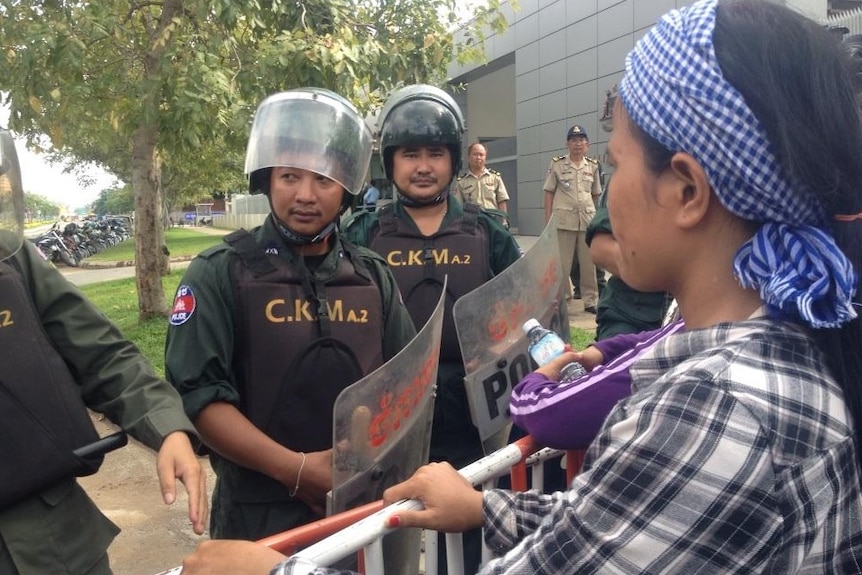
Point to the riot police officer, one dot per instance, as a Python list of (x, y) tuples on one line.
[(60, 356), (426, 235), (267, 328)]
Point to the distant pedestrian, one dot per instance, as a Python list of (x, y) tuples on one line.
[(370, 198)]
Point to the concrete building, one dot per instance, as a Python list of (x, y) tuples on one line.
[(549, 70)]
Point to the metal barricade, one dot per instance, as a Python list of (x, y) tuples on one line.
[(361, 530)]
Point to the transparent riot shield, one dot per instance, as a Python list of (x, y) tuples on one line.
[(489, 321), (11, 198), (382, 433)]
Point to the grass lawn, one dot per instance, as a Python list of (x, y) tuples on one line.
[(181, 241), (581, 338), (118, 300)]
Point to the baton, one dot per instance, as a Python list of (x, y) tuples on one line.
[(102, 446)]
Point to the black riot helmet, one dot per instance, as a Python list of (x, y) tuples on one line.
[(420, 115), (11, 198), (312, 129)]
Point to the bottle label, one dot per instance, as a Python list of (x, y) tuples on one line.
[(571, 372), (547, 349)]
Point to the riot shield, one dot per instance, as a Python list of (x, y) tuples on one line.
[(11, 198), (489, 320), (382, 432)]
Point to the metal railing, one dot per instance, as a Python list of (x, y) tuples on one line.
[(361, 530)]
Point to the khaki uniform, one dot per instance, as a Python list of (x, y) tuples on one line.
[(488, 190), (576, 189)]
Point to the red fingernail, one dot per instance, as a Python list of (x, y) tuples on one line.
[(393, 522), (568, 347)]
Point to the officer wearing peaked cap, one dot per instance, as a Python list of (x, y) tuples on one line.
[(572, 188)]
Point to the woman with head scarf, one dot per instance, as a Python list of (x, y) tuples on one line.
[(738, 189)]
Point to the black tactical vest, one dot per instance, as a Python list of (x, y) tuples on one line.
[(42, 416), (420, 263), (303, 341)]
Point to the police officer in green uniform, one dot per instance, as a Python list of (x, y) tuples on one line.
[(60, 356), (572, 188), (482, 186), (267, 328), (426, 235)]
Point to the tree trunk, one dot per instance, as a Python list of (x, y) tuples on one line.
[(150, 257), (149, 234)]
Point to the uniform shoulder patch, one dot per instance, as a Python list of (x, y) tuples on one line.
[(558, 158), (462, 175), (591, 160), (495, 172), (184, 305)]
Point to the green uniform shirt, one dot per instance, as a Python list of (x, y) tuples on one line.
[(199, 353), (199, 362), (61, 530)]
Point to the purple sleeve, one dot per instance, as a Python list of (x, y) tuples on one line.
[(570, 416), (614, 346)]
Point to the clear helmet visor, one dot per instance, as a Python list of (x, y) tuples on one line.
[(11, 198), (311, 129)]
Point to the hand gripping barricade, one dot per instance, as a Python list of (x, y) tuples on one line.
[(494, 347), (382, 431), (364, 529)]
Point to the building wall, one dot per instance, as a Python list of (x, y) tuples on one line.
[(567, 54)]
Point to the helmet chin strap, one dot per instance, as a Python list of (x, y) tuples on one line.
[(297, 239), (419, 204)]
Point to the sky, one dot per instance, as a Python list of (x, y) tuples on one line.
[(40, 177)]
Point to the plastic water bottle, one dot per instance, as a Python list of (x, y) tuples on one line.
[(545, 345)]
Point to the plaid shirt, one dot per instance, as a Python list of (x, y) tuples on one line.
[(734, 454)]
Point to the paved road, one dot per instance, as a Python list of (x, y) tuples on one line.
[(84, 276)]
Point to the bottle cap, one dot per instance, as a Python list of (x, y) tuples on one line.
[(530, 324)]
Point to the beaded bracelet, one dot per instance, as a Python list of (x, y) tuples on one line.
[(292, 492)]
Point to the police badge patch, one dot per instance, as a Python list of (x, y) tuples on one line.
[(184, 305)]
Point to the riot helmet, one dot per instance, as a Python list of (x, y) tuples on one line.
[(11, 198), (311, 129), (420, 115)]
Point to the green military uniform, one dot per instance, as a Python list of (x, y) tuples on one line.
[(453, 438), (487, 190), (60, 530), (199, 362), (576, 188), (623, 309)]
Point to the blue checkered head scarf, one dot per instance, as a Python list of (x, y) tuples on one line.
[(674, 90)]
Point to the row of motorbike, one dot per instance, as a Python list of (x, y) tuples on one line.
[(73, 242)]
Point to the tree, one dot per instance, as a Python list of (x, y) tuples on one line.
[(148, 88), (40, 206), (119, 200)]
